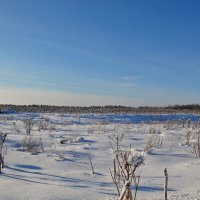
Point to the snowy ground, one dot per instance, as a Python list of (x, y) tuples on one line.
[(62, 171)]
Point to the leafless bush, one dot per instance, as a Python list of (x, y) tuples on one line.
[(188, 137), (116, 141), (182, 122), (32, 145), (189, 123), (3, 149), (16, 127), (28, 125), (152, 130), (124, 173), (155, 141), (193, 140), (196, 144), (171, 123), (196, 125), (125, 165), (43, 125)]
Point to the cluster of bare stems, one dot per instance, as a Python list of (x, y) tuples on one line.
[(193, 140), (116, 141), (43, 125), (196, 144), (3, 149), (188, 138), (196, 125), (32, 145), (16, 127), (183, 123), (155, 141), (124, 172), (28, 125)]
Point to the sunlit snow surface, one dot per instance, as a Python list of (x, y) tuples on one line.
[(63, 170)]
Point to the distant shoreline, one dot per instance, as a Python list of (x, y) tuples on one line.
[(109, 109)]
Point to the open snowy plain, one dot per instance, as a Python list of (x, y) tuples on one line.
[(57, 165)]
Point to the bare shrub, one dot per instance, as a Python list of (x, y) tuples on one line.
[(155, 141), (28, 125), (124, 173), (42, 125), (32, 145), (16, 127), (188, 137), (152, 130), (3, 149), (196, 144), (189, 123), (125, 165), (195, 125), (116, 141)]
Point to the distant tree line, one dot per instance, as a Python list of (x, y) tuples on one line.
[(109, 109), (185, 107)]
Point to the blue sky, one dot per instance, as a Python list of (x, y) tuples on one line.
[(97, 52)]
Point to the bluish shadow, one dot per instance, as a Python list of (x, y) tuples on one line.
[(152, 189), (29, 167)]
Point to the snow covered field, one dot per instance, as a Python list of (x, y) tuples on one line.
[(59, 168)]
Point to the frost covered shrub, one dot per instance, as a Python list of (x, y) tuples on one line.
[(45, 124), (124, 173), (116, 141), (155, 141), (152, 130), (193, 140), (32, 145), (2, 149), (42, 125), (125, 164), (28, 125), (16, 127), (196, 144), (188, 138)]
